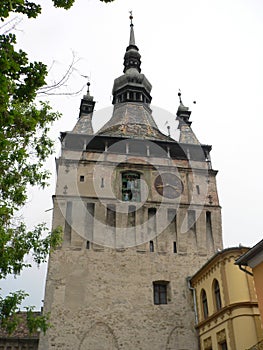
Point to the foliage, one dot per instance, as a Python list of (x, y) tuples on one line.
[(25, 145), (8, 310), (31, 9), (35, 323), (10, 318), (17, 242)]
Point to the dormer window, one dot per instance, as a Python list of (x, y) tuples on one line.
[(131, 187)]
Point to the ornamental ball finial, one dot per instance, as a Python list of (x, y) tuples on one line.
[(179, 95)]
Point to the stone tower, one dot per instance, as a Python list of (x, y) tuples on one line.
[(140, 213)]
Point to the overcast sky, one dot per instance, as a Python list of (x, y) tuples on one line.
[(210, 49)]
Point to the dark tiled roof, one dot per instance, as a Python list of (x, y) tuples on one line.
[(83, 125), (132, 120)]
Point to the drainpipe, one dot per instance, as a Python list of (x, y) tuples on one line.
[(194, 296), (195, 307), (246, 271)]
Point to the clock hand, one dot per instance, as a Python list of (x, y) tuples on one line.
[(166, 185), (175, 187)]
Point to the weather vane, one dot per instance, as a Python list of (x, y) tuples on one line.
[(131, 17)]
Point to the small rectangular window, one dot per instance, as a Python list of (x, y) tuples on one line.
[(151, 246), (191, 220), (90, 220), (88, 245), (81, 178), (197, 189), (68, 223), (111, 215), (208, 222), (223, 346), (160, 292), (151, 212), (175, 247), (131, 216), (171, 215), (151, 222)]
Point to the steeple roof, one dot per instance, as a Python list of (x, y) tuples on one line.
[(132, 37), (132, 116), (132, 58)]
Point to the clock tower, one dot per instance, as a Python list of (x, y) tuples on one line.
[(140, 214)]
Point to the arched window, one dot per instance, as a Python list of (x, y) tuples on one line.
[(217, 295), (131, 187), (204, 303)]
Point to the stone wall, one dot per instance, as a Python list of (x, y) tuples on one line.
[(103, 299), (99, 287)]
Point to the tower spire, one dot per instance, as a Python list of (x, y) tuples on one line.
[(132, 37), (132, 116), (132, 58)]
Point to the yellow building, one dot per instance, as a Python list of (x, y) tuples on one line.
[(227, 315), (253, 258)]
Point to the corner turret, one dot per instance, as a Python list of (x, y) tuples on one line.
[(183, 115), (84, 123)]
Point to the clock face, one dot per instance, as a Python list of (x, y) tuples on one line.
[(168, 185)]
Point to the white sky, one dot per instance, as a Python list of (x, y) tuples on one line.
[(210, 49)]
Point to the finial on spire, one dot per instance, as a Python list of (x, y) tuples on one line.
[(179, 95), (88, 97), (131, 18), (169, 130), (132, 38), (183, 113)]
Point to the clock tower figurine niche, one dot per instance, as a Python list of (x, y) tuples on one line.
[(140, 214)]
